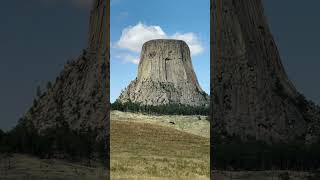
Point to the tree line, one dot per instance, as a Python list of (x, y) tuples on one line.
[(168, 109), (259, 155), (58, 142)]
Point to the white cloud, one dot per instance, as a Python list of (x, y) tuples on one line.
[(128, 58), (192, 40), (133, 37)]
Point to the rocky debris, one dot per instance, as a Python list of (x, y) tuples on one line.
[(165, 76), (252, 95), (79, 97)]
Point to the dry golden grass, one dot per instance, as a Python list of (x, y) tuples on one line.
[(149, 147), (141, 150), (23, 167), (190, 124)]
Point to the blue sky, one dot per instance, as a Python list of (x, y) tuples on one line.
[(37, 39), (133, 22)]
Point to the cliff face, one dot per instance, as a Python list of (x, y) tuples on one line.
[(98, 27), (252, 95), (79, 96), (165, 76)]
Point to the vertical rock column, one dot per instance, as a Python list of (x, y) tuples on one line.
[(99, 48), (252, 96)]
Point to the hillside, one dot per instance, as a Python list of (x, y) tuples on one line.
[(145, 147), (197, 125), (31, 168)]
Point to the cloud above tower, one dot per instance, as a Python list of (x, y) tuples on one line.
[(133, 37)]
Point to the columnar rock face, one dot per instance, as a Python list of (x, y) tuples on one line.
[(79, 96), (98, 26), (252, 95), (165, 76)]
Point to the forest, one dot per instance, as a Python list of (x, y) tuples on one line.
[(166, 109), (58, 142), (257, 155)]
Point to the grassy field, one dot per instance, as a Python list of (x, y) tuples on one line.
[(150, 147), (197, 125), (23, 167), (261, 175), (142, 147), (171, 147)]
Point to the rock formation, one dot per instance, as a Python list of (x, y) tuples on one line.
[(252, 95), (79, 96), (165, 76)]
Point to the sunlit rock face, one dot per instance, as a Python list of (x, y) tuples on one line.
[(252, 95), (165, 76)]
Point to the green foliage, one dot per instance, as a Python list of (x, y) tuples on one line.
[(1, 134), (49, 85), (38, 91), (35, 102), (61, 141), (279, 89), (169, 109), (256, 155), (84, 52), (302, 103)]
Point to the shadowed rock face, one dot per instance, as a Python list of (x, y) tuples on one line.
[(165, 76), (79, 96), (252, 95)]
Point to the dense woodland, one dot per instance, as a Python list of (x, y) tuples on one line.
[(168, 109), (59, 142), (257, 155)]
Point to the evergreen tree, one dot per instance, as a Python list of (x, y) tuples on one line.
[(38, 91), (49, 85), (170, 109)]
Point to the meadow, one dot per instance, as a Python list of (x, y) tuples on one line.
[(25, 167), (159, 147)]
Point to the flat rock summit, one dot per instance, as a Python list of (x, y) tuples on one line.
[(165, 76)]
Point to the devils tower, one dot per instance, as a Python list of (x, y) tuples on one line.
[(78, 97), (252, 94), (165, 76)]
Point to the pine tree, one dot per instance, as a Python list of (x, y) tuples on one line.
[(49, 85), (38, 91)]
